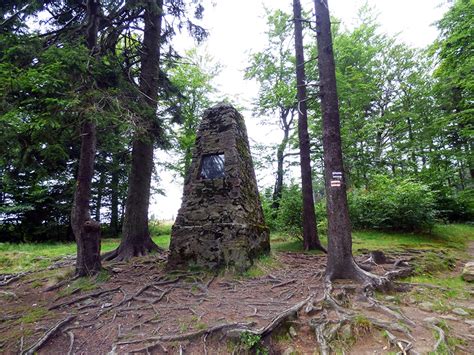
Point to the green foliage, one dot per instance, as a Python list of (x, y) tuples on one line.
[(290, 212), (453, 205), (250, 341), (43, 102), (453, 49), (158, 228), (192, 78), (269, 212), (392, 204)]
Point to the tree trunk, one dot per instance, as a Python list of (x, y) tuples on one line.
[(340, 263), (86, 263), (136, 240), (412, 145), (88, 244), (100, 189), (278, 189), (310, 232), (114, 202)]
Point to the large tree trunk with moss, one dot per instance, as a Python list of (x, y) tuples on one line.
[(310, 232), (340, 263), (86, 232), (136, 239)]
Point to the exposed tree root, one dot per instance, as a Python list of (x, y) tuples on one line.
[(136, 295), (9, 278), (404, 345), (441, 340), (82, 298), (71, 342), (441, 345), (127, 251), (326, 329), (390, 312), (35, 347), (60, 284), (276, 321), (156, 341)]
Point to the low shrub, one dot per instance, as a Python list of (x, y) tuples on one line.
[(269, 213), (159, 228), (290, 213), (455, 206), (392, 204)]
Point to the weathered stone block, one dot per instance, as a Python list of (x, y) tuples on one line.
[(220, 222), (468, 272)]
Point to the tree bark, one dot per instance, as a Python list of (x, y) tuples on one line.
[(136, 239), (100, 189), (310, 232), (88, 248), (340, 263), (85, 263), (278, 188), (114, 201)]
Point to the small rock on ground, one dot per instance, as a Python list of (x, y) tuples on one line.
[(292, 332), (431, 320), (468, 272), (426, 306), (460, 312)]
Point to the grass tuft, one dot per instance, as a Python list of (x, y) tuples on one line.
[(262, 266)]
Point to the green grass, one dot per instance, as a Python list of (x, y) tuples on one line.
[(33, 315), (454, 236), (261, 266), (85, 284), (452, 287), (33, 256), (28, 256), (282, 242)]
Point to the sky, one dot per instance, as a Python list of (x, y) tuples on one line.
[(237, 29)]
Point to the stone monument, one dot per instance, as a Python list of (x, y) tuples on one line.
[(220, 222)]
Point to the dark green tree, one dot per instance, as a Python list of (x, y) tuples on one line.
[(310, 233)]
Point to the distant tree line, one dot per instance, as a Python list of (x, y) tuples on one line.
[(102, 70), (406, 121), (406, 114)]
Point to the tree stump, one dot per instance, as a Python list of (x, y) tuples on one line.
[(88, 256), (378, 257)]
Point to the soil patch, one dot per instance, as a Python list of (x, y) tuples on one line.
[(141, 307)]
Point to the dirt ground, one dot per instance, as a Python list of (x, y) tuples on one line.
[(143, 308)]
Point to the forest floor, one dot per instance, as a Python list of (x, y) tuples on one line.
[(279, 306)]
